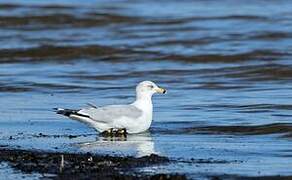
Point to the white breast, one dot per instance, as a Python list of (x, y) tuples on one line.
[(143, 123)]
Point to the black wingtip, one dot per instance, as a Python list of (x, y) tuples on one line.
[(65, 112), (68, 112)]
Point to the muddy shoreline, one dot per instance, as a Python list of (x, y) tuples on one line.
[(63, 165), (56, 165)]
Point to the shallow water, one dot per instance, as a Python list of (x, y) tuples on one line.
[(10, 173), (227, 67)]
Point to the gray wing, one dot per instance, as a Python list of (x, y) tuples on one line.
[(111, 113)]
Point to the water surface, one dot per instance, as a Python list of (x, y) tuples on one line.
[(227, 67)]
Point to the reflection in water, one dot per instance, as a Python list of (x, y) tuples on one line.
[(134, 144)]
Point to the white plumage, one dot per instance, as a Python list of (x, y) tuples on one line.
[(135, 117)]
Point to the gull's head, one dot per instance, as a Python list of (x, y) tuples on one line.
[(148, 88)]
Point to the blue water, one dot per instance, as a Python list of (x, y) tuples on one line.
[(224, 64)]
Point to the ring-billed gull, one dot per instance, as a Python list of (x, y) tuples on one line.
[(134, 118)]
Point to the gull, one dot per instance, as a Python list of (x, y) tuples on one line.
[(131, 118)]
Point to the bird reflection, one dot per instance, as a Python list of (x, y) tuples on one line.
[(132, 144)]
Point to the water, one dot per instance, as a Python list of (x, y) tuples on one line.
[(12, 174), (226, 65)]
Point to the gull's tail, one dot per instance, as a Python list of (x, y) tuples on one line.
[(76, 115), (69, 112)]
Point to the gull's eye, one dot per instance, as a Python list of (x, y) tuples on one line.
[(151, 86)]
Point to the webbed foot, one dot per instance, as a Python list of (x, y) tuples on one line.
[(112, 132), (122, 132)]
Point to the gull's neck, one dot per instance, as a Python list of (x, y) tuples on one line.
[(144, 102)]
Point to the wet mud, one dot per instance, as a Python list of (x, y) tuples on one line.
[(84, 166)]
